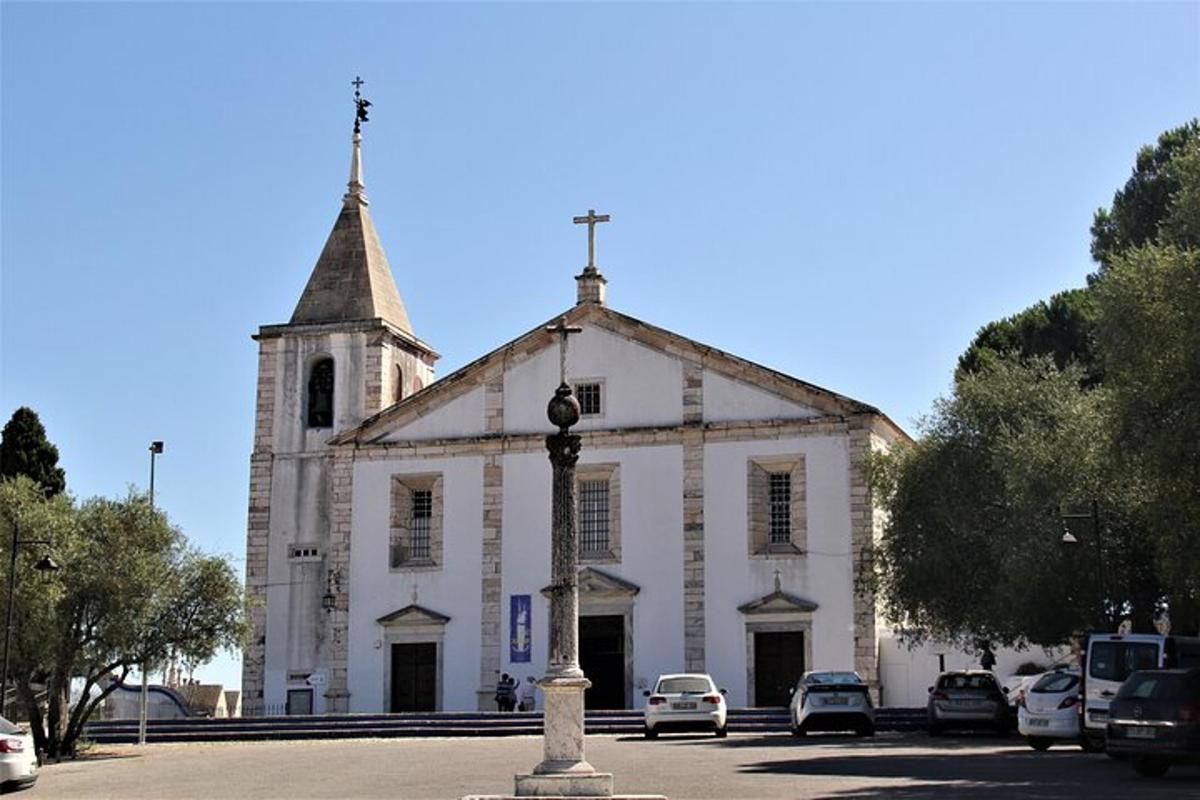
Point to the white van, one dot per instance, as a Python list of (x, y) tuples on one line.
[(1110, 658)]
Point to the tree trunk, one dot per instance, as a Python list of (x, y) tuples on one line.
[(57, 698)]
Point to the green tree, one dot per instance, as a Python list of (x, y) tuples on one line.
[(972, 544), (1149, 329), (1139, 208), (25, 450), (1061, 328), (130, 592)]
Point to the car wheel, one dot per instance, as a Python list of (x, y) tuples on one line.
[(798, 731), (722, 731), (1090, 744), (650, 733), (1039, 742), (1149, 767)]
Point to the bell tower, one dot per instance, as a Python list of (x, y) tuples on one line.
[(347, 353)]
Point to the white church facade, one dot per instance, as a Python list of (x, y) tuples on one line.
[(399, 526)]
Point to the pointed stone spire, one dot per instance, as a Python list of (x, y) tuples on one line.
[(352, 279)]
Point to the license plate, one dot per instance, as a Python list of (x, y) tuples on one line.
[(836, 701), (684, 706), (1140, 733), (1038, 723)]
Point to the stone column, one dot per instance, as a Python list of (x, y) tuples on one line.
[(563, 771)]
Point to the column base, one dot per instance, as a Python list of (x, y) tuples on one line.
[(584, 784)]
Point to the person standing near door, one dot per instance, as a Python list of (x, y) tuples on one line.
[(528, 694)]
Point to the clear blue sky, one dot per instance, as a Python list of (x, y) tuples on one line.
[(844, 192)]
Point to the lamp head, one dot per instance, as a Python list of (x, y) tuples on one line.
[(47, 564), (156, 447)]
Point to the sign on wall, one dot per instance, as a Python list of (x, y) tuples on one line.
[(520, 629)]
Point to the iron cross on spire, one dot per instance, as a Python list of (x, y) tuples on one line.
[(563, 330), (590, 220), (361, 104)]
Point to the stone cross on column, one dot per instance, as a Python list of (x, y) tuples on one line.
[(563, 770)]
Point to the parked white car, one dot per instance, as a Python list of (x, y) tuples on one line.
[(18, 761), (832, 701), (685, 702), (1049, 709)]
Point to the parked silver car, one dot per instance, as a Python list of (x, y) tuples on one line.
[(18, 761), (967, 699)]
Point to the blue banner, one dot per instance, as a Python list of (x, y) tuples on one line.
[(520, 629)]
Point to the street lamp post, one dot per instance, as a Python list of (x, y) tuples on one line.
[(156, 448), (45, 565), (1069, 538)]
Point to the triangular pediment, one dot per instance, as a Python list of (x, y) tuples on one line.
[(413, 615), (820, 402), (779, 602), (596, 583)]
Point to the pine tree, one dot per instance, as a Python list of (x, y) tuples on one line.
[(25, 450)]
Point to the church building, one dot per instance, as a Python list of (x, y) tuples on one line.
[(398, 547)]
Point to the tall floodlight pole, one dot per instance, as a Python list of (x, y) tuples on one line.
[(156, 448)]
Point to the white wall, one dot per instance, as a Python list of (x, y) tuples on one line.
[(642, 386), (824, 576), (462, 416), (453, 590), (651, 551), (729, 400), (907, 673)]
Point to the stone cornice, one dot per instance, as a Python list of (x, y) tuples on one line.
[(650, 436), (372, 325)]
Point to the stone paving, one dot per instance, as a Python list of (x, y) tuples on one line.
[(742, 767)]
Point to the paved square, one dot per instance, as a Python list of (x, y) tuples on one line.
[(742, 767)]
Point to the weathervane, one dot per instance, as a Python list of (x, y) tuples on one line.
[(361, 104)]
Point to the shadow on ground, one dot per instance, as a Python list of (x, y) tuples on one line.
[(989, 776)]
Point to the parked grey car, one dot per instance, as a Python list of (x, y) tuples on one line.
[(967, 699), (1155, 720)]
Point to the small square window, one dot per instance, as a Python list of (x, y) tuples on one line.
[(589, 396)]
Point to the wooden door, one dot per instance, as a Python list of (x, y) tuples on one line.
[(778, 665), (602, 657), (414, 677)]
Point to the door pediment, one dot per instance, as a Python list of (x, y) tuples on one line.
[(413, 615), (779, 602), (596, 584)]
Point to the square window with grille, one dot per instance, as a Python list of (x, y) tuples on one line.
[(593, 516), (422, 517), (588, 395), (780, 501)]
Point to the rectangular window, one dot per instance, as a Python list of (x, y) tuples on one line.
[(422, 517), (593, 516), (416, 534), (780, 502), (588, 395)]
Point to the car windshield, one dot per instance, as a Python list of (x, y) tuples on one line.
[(1152, 686), (8, 727), (967, 682), (833, 677), (1115, 661), (684, 685), (1056, 682)]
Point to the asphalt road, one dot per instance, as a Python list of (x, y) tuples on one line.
[(741, 767)]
